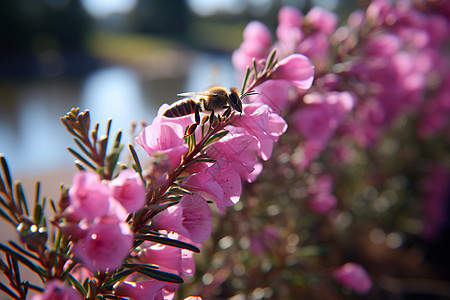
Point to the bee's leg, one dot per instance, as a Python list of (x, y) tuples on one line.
[(211, 118), (227, 112), (197, 114)]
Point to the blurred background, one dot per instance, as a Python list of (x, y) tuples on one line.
[(119, 58)]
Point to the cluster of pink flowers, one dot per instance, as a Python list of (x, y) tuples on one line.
[(97, 213), (96, 218), (385, 62)]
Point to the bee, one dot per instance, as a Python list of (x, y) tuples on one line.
[(213, 100)]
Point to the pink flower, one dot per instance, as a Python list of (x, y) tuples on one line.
[(150, 289), (165, 137), (354, 276), (129, 190), (257, 40), (88, 196), (274, 93), (321, 199), (106, 244), (169, 259), (322, 20), (56, 290), (220, 182), (296, 69), (239, 151), (191, 217), (322, 203), (289, 32), (260, 122), (319, 118), (314, 123)]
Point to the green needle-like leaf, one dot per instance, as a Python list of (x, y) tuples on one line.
[(244, 83), (119, 276), (168, 242), (161, 275), (83, 148), (20, 195), (23, 251), (135, 158), (270, 60), (7, 291), (81, 158), (76, 284), (17, 256), (216, 137), (7, 174)]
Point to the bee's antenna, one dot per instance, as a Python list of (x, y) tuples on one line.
[(249, 93)]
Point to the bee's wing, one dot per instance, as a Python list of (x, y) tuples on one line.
[(191, 94)]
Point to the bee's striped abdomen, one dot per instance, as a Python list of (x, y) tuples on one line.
[(180, 108)]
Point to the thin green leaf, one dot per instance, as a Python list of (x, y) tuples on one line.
[(37, 192), (135, 158), (81, 158), (113, 158), (161, 275), (16, 255), (117, 144), (108, 127), (38, 214), (6, 216), (7, 291), (7, 174), (119, 276), (255, 69), (202, 159), (244, 83), (79, 166), (102, 142), (33, 287), (83, 148), (16, 272), (216, 137), (168, 242), (53, 205), (23, 251), (20, 196), (92, 288), (76, 284), (269, 62)]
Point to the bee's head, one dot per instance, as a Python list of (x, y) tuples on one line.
[(235, 101)]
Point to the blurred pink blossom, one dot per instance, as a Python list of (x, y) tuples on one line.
[(296, 69), (321, 200), (106, 244), (191, 218), (322, 20), (57, 290), (129, 190), (353, 276), (88, 196), (256, 44)]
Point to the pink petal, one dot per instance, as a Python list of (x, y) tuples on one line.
[(297, 69)]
